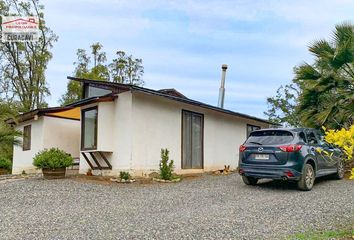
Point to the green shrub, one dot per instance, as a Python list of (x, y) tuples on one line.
[(52, 159), (124, 175), (5, 164), (166, 165)]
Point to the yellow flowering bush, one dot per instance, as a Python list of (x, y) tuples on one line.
[(343, 138)]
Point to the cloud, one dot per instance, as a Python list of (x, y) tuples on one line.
[(183, 44)]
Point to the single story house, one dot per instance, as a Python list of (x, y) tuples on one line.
[(118, 127)]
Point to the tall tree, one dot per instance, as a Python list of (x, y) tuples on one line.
[(127, 69), (23, 64), (123, 69), (325, 94), (83, 69)]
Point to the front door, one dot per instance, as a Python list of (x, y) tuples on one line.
[(192, 140)]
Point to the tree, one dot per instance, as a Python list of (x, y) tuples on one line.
[(325, 88), (281, 108), (127, 69), (99, 71), (123, 69), (7, 133), (23, 64), (328, 84)]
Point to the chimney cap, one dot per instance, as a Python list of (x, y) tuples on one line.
[(224, 67)]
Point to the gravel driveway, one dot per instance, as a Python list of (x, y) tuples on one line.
[(208, 207)]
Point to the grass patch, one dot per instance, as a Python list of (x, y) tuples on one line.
[(324, 235)]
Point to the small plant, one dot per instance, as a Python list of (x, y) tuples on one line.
[(53, 158), (124, 175), (166, 165), (5, 164), (24, 172)]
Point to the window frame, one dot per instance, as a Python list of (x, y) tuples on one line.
[(26, 144), (83, 111)]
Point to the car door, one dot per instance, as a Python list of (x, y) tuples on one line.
[(316, 149)]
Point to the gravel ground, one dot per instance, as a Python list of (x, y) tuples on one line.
[(208, 207)]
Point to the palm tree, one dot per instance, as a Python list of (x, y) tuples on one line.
[(327, 86)]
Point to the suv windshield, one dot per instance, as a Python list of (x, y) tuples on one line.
[(270, 137)]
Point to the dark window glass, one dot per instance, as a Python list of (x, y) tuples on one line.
[(302, 137), (89, 128), (270, 137), (251, 128), (26, 144)]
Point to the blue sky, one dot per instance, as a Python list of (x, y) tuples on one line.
[(184, 43)]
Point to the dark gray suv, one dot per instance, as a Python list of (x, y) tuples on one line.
[(298, 154)]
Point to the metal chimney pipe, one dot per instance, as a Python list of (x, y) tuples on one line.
[(222, 87)]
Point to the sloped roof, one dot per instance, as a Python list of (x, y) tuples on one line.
[(126, 87)]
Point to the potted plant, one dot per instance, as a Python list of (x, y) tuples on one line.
[(53, 162), (5, 166)]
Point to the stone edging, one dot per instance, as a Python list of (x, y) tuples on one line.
[(167, 181), (122, 180), (20, 176)]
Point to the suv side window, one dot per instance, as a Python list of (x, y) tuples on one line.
[(312, 138), (302, 137)]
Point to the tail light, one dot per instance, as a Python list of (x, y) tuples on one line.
[(243, 148), (291, 148)]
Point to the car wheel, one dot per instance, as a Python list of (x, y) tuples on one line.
[(249, 180), (307, 178), (340, 170)]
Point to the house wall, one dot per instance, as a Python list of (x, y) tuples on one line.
[(157, 123), (47, 132), (22, 160), (114, 136), (63, 134)]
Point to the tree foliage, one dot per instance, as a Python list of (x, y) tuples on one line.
[(281, 108), (123, 69), (325, 96), (23, 64)]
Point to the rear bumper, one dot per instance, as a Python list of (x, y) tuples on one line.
[(270, 172)]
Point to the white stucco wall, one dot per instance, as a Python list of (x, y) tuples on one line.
[(114, 134), (157, 123), (22, 160), (47, 132), (133, 129)]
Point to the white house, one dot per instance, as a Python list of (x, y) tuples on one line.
[(118, 127)]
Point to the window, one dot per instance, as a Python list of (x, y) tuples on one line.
[(251, 128), (89, 129), (302, 137), (26, 144), (311, 138), (270, 137), (192, 140), (95, 91)]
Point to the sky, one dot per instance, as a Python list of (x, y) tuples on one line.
[(184, 43)]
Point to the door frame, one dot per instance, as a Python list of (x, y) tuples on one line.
[(202, 131)]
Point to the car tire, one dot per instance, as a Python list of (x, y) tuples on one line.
[(249, 180), (307, 178), (340, 170)]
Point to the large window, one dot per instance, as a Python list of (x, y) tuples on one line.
[(251, 128), (192, 140), (26, 144), (89, 129)]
